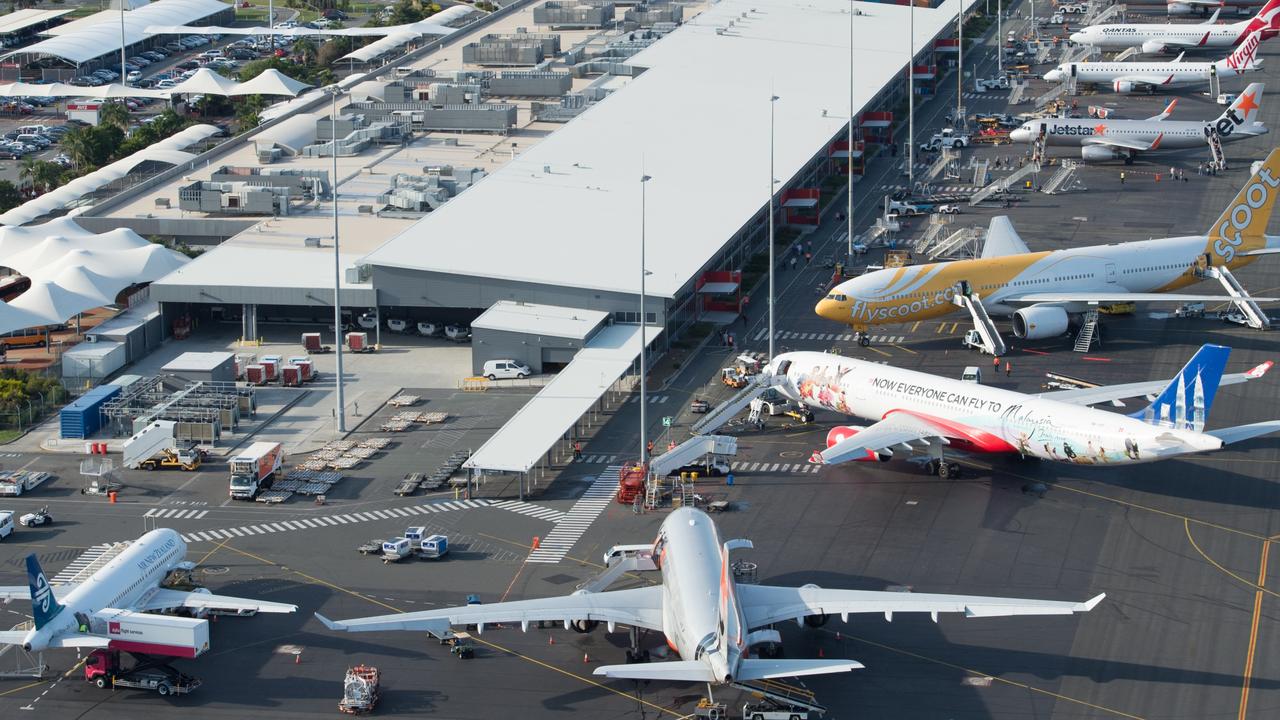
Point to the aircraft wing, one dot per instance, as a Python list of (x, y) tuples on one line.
[(1120, 296), (898, 428), (1126, 144), (765, 604), (164, 599), (1002, 239), (1240, 433), (640, 607), (1146, 80), (1109, 393)]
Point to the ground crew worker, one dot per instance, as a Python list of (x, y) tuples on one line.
[(649, 447), (577, 449), (1008, 368), (995, 363), (1121, 177)]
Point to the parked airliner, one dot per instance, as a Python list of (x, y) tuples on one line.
[(128, 582), (1042, 290), (1127, 77), (707, 618), (1154, 38)]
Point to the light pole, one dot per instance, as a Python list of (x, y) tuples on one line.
[(852, 113), (999, 38), (911, 100), (773, 100), (644, 328), (340, 413), (124, 76), (960, 68)]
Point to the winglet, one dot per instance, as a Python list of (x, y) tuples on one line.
[(816, 458), (1092, 602), (1259, 371), (330, 623)]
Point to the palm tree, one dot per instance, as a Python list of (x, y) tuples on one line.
[(27, 169), (78, 144), (114, 113), (305, 49)]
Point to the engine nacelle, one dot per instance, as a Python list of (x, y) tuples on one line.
[(1099, 153), (1151, 47), (815, 621), (583, 626), (1177, 8), (1124, 86), (1040, 321), (844, 432)]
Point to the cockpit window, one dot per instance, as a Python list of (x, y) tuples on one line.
[(837, 297)]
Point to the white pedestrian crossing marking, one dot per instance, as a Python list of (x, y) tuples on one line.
[(562, 537), (323, 521)]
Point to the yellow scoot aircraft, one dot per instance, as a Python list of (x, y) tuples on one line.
[(1043, 290)]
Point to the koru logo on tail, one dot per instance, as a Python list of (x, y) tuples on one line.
[(42, 594)]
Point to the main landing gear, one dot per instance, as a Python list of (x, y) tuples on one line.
[(634, 653), (943, 469)]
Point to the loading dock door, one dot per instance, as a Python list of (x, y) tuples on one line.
[(555, 359)]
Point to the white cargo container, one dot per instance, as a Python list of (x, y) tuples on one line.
[(166, 635), (93, 361)]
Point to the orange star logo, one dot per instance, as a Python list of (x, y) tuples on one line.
[(1246, 104), (1099, 129)]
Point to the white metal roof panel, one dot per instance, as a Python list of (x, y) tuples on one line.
[(549, 320), (15, 21), (99, 34), (198, 361), (551, 413), (698, 122)]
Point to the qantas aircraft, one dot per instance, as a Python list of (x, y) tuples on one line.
[(1154, 38), (1043, 290), (914, 407), (707, 618), (1127, 77), (128, 582), (1124, 139)]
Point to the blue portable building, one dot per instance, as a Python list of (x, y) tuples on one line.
[(82, 418)]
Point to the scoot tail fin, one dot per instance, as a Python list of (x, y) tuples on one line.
[(44, 606), (1243, 225), (1186, 400)]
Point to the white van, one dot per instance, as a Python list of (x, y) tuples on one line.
[(6, 523), (33, 129), (501, 369), (972, 374)]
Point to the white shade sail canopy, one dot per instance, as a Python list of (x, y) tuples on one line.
[(271, 82), (435, 25), (53, 303), (205, 82), (13, 319)]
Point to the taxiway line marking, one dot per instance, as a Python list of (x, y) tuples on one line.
[(1253, 631), (877, 350), (977, 673), (1256, 587), (913, 352)]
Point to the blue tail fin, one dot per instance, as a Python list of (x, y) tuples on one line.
[(1186, 401), (44, 606)]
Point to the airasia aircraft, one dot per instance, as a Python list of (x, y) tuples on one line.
[(129, 583), (707, 618), (914, 407)]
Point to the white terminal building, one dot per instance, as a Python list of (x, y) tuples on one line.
[(502, 165)]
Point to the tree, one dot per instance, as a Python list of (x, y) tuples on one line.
[(305, 49), (332, 50), (115, 114), (10, 198), (93, 146)]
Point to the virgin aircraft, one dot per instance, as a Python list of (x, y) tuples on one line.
[(1154, 38), (1124, 139), (1042, 291), (1127, 77), (910, 408), (128, 582), (707, 618)]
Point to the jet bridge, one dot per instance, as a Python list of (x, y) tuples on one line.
[(991, 340)]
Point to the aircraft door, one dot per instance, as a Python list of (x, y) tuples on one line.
[(1111, 272)]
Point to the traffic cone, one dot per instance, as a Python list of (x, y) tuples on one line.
[(551, 639), (297, 658), (586, 658), (839, 637), (821, 654)]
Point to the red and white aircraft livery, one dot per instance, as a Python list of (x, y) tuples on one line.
[(109, 609), (1127, 77), (1154, 38), (914, 407), (706, 617)]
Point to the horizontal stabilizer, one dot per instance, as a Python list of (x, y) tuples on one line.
[(13, 637), (679, 670), (80, 641), (1240, 433), (756, 669)]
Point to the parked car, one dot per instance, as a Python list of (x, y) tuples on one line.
[(505, 369), (134, 76)]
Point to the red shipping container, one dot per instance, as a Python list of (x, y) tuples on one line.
[(357, 341), (290, 376), (305, 370), (269, 370), (311, 341), (255, 375)]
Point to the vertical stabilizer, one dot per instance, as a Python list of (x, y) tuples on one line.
[(1243, 225), (44, 606), (1186, 400)]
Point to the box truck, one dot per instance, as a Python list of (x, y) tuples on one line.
[(253, 470)]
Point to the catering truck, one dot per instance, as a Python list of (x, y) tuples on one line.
[(253, 470)]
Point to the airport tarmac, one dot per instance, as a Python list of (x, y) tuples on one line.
[(1181, 547)]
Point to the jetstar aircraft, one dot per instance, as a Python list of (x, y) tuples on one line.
[(914, 407), (1154, 38), (1123, 139), (128, 583), (1042, 291), (706, 617), (1127, 77)]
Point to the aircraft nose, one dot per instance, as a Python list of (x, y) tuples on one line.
[(1054, 75), (1077, 37), (1020, 135)]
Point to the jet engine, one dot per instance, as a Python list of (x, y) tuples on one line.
[(1098, 153), (1151, 47), (1124, 86), (1177, 8), (583, 626), (843, 432), (1040, 321), (815, 621)]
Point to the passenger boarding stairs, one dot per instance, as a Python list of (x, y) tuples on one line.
[(1005, 183), (783, 696), (725, 411), (1063, 180), (937, 223), (969, 236), (1252, 312), (1215, 147), (687, 452), (1114, 13), (623, 559), (992, 343), (981, 171), (1128, 53), (1019, 88), (945, 158), (1085, 338), (148, 442)]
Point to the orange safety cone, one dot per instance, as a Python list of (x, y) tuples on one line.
[(551, 639), (297, 658), (586, 658), (536, 541)]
